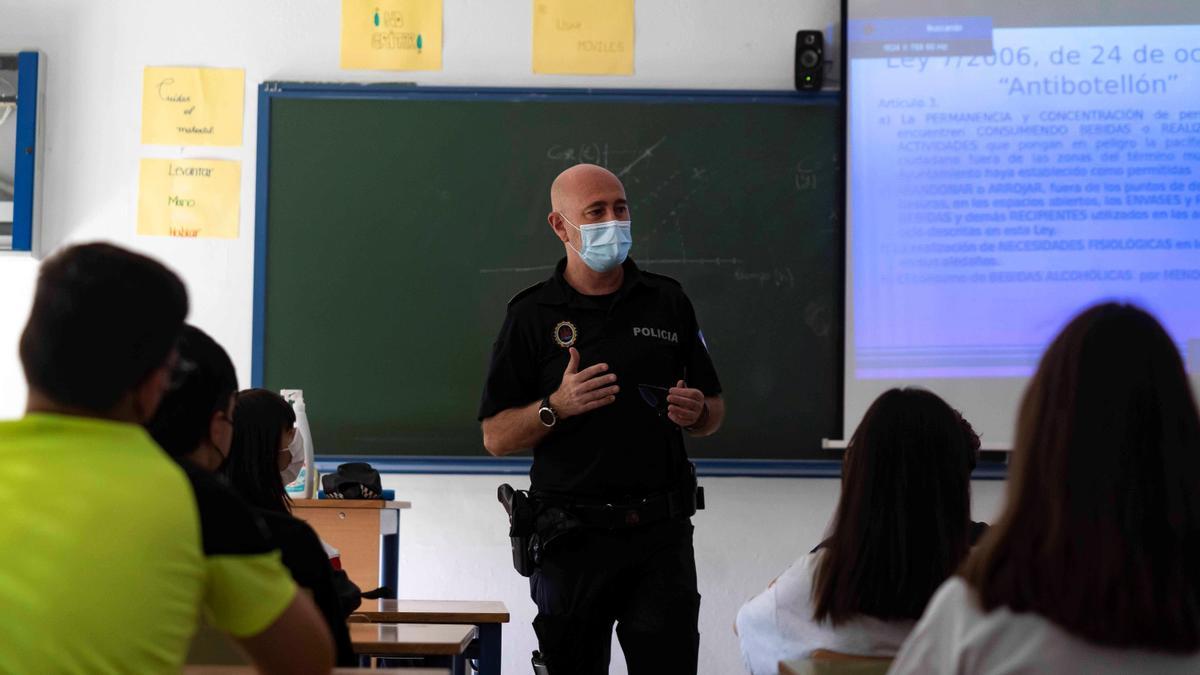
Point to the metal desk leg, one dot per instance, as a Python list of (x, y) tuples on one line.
[(390, 559), (389, 553), (489, 648)]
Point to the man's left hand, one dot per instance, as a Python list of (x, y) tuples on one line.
[(685, 405)]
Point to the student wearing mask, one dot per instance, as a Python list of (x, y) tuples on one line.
[(262, 456), (1094, 566), (194, 422), (264, 439), (901, 527), (115, 568)]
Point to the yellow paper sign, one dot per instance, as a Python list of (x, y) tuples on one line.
[(583, 37), (192, 106), (392, 34), (189, 198)]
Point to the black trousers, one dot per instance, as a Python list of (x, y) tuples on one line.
[(641, 578)]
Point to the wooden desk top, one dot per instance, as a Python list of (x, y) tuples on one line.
[(349, 504), (410, 639), (434, 611), (252, 670)]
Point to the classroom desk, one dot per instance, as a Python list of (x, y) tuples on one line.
[(413, 639), (365, 531), (252, 670), (834, 667), (487, 616)]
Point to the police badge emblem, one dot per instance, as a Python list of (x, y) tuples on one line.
[(565, 334)]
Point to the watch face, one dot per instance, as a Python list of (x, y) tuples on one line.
[(547, 416)]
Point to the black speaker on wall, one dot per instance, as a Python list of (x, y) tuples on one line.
[(810, 60)]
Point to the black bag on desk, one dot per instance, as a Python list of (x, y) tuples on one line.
[(355, 480)]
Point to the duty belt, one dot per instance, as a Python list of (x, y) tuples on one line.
[(681, 503), (536, 521)]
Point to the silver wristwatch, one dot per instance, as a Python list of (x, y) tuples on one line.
[(546, 413)]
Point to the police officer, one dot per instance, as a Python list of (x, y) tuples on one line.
[(600, 370)]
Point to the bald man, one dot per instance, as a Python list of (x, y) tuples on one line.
[(601, 370)]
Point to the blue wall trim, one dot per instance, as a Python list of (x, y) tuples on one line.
[(26, 165), (512, 466)]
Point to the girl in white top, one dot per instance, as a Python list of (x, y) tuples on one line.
[(778, 624), (956, 636), (1094, 567), (901, 527)]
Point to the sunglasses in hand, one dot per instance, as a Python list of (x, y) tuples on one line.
[(655, 397)]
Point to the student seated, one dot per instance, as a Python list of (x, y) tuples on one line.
[(901, 527), (109, 559), (265, 441), (195, 424), (1094, 566)]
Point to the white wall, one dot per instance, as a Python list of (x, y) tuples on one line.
[(453, 541)]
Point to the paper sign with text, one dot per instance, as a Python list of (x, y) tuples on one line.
[(583, 37), (189, 198), (192, 106), (392, 34)]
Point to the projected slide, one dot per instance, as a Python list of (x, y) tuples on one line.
[(1002, 177)]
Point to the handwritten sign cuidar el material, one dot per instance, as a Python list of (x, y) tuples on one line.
[(392, 34), (189, 198), (583, 37), (192, 106)]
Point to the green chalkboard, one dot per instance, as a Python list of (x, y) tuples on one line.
[(395, 224)]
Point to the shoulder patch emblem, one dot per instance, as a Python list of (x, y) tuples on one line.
[(565, 334)]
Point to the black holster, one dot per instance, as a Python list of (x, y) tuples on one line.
[(532, 527), (521, 527)]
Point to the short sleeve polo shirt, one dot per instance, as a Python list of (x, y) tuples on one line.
[(650, 338), (105, 567)]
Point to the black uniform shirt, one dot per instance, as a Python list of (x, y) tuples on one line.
[(648, 335)]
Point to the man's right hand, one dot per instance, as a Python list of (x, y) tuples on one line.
[(583, 391)]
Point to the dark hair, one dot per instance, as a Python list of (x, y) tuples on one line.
[(207, 383), (103, 319), (1101, 530), (974, 443), (260, 417), (901, 525)]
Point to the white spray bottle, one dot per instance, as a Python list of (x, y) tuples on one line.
[(305, 485)]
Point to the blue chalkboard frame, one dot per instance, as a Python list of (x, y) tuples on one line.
[(270, 91)]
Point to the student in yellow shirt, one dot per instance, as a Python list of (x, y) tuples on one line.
[(106, 568)]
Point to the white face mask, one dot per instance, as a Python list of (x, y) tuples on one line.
[(296, 450), (604, 245)]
